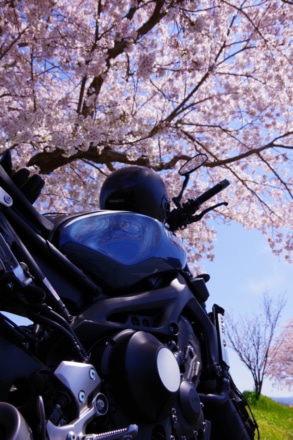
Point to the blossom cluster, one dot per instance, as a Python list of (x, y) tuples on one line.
[(159, 81)]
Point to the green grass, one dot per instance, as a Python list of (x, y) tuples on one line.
[(275, 421)]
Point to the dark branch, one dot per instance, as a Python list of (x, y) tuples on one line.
[(48, 162)]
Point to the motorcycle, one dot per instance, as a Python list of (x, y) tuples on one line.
[(118, 344)]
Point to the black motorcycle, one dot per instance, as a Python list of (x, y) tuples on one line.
[(118, 343)]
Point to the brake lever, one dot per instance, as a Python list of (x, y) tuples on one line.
[(196, 218), (180, 218)]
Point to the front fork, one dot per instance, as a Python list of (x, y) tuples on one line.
[(219, 321)]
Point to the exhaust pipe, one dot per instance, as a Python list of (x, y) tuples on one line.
[(12, 424)]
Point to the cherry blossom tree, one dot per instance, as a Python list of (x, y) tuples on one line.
[(280, 364), (253, 337), (91, 85)]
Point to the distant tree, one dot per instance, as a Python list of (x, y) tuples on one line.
[(88, 86), (280, 363), (253, 336)]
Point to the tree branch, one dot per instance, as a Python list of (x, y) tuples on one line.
[(47, 161)]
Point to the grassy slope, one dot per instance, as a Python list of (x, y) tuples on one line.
[(275, 421)]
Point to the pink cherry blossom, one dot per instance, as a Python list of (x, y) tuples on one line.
[(280, 366), (88, 86)]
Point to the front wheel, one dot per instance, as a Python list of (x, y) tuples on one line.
[(232, 419)]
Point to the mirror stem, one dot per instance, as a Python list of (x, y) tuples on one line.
[(177, 200)]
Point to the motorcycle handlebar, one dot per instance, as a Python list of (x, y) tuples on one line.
[(182, 216), (212, 192)]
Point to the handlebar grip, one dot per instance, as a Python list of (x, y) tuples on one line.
[(212, 191)]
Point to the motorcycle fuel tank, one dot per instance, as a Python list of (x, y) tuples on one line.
[(120, 249)]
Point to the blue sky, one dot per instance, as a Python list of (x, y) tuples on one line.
[(243, 269)]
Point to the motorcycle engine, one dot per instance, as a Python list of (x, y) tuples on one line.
[(151, 381)]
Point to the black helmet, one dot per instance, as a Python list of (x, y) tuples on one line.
[(137, 189)]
